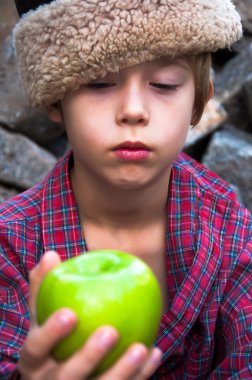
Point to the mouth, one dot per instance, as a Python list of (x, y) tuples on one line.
[(132, 151), (133, 145)]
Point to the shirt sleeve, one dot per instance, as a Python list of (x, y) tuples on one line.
[(233, 354), (14, 291)]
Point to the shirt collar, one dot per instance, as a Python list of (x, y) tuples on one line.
[(61, 227), (198, 218)]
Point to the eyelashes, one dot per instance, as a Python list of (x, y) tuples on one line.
[(164, 86), (161, 86), (99, 85)]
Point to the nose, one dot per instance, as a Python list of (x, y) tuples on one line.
[(132, 106)]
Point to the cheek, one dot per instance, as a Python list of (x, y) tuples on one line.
[(81, 124), (178, 109), (174, 121), (84, 137)]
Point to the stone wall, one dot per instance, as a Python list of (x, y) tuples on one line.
[(30, 144)]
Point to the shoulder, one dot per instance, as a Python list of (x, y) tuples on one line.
[(22, 217), (203, 179), (216, 203), (20, 242), (21, 214), (20, 230), (28, 205), (21, 224), (224, 225), (24, 206)]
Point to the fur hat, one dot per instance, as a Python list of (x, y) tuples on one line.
[(61, 44)]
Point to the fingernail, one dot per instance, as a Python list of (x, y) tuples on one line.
[(65, 318), (156, 356), (136, 355), (49, 261), (107, 337), (49, 254)]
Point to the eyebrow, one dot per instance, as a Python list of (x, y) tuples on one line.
[(167, 61)]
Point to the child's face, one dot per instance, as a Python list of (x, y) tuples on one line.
[(151, 104)]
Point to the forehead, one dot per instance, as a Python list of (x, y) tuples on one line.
[(160, 64), (184, 62)]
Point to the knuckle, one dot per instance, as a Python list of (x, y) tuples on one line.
[(29, 350), (33, 273), (91, 358), (61, 375), (83, 363), (33, 348)]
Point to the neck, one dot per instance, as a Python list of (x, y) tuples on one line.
[(113, 206)]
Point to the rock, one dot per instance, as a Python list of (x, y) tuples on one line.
[(229, 155), (242, 44), (8, 17), (22, 162), (248, 95), (244, 8), (7, 193), (15, 111), (229, 89), (214, 115)]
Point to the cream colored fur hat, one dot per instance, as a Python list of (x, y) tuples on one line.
[(66, 43)]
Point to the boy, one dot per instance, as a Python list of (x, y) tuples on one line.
[(128, 78)]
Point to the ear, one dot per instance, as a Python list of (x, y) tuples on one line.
[(54, 112), (210, 91)]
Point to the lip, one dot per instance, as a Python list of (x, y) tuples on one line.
[(132, 151), (133, 145)]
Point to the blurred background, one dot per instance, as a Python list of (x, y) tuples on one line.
[(30, 144)]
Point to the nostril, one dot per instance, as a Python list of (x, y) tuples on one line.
[(134, 121)]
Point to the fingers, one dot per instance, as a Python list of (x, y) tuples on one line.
[(41, 340), (128, 365), (48, 261), (137, 363), (151, 365), (84, 362)]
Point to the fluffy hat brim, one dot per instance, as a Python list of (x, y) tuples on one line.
[(66, 43)]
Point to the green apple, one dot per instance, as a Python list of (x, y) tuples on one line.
[(103, 288)]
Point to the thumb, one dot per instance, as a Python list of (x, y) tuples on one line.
[(49, 260)]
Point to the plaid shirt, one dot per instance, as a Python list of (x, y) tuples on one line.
[(207, 332)]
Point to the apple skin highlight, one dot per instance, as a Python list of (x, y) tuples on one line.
[(103, 288)]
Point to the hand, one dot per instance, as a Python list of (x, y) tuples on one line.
[(36, 363)]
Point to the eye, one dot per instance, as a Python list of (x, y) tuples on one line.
[(164, 86), (99, 86)]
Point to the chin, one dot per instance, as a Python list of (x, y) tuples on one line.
[(132, 183), (131, 179)]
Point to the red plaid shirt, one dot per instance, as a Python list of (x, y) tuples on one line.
[(207, 332)]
